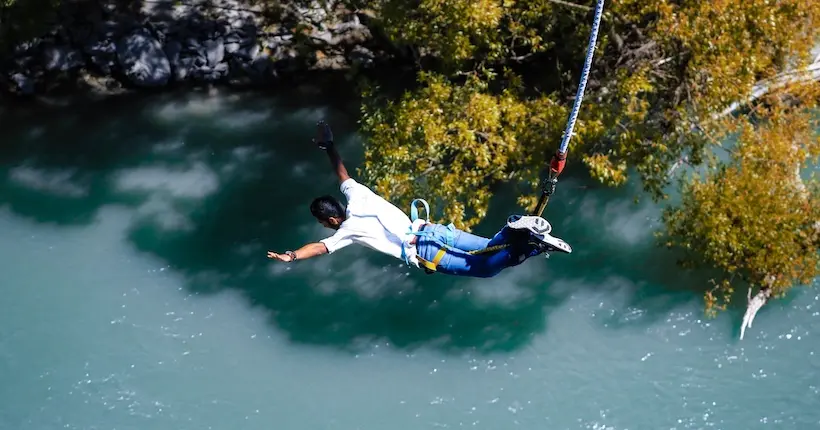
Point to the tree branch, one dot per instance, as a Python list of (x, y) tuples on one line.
[(571, 5)]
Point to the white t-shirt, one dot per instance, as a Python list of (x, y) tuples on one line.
[(372, 221)]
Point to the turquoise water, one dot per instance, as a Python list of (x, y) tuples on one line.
[(136, 294)]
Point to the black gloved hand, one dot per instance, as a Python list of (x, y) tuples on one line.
[(324, 135)]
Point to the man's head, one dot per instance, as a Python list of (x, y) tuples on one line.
[(328, 211)]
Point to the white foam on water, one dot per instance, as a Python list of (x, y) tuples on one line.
[(164, 214), (623, 221), (61, 182), (229, 111), (195, 182), (169, 146), (241, 158), (507, 289)]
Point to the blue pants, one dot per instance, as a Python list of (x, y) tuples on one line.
[(458, 262)]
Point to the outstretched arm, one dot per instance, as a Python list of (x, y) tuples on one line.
[(337, 164), (324, 138), (308, 251)]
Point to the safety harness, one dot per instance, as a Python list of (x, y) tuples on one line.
[(417, 230)]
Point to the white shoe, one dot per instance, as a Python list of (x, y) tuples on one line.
[(535, 224), (553, 244), (540, 230)]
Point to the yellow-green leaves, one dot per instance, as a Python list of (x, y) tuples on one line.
[(450, 29), (451, 143), (753, 217), (604, 170), (467, 31), (731, 44)]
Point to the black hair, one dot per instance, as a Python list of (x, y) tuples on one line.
[(326, 207)]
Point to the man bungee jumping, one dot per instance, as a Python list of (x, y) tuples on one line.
[(372, 221)]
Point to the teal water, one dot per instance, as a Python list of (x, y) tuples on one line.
[(136, 294)]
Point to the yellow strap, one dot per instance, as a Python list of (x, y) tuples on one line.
[(431, 265), (439, 255)]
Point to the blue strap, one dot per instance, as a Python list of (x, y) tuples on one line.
[(414, 215), (449, 234), (414, 212)]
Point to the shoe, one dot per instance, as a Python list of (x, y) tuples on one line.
[(324, 135), (535, 224), (539, 229), (548, 243)]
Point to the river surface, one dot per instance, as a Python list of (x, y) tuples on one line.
[(136, 295)]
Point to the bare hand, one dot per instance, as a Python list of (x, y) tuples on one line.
[(281, 257)]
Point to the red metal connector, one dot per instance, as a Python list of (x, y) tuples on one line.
[(557, 163)]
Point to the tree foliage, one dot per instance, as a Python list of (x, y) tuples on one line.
[(458, 141), (497, 78), (756, 217)]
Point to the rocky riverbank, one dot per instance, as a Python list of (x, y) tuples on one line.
[(110, 47)]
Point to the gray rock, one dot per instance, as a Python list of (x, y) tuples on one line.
[(235, 41), (247, 52), (262, 65), (215, 51), (351, 19), (143, 60), (27, 47), (285, 52), (109, 29), (231, 47), (222, 69), (101, 47), (24, 83), (315, 13), (200, 61), (102, 54), (323, 36), (223, 27), (350, 33), (233, 37), (180, 10), (331, 62), (160, 30), (172, 50), (270, 43), (184, 68), (361, 56), (211, 74), (62, 58), (273, 42), (192, 45)]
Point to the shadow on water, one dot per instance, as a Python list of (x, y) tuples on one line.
[(214, 182)]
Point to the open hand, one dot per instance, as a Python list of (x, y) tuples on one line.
[(281, 257)]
